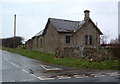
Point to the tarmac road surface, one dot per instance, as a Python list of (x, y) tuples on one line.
[(17, 68)]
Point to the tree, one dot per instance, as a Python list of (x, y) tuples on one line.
[(104, 39), (115, 41), (116, 44)]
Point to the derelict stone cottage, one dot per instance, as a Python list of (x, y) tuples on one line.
[(60, 33)]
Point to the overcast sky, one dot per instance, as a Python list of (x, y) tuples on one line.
[(32, 15)]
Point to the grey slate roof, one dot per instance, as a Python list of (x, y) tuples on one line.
[(66, 25), (40, 33)]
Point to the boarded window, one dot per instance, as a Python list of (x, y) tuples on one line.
[(88, 39), (68, 39)]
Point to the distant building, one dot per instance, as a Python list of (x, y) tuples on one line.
[(60, 33), (9, 42)]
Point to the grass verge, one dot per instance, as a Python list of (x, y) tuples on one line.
[(70, 62)]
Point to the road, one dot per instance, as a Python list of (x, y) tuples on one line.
[(17, 68)]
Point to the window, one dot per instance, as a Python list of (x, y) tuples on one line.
[(41, 41), (37, 42), (68, 39), (88, 39)]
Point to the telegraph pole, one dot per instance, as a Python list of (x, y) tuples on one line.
[(14, 29)]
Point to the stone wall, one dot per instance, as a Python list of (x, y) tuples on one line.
[(93, 53)]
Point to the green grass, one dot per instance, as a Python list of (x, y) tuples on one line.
[(70, 62)]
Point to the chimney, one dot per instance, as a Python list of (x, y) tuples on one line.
[(86, 17)]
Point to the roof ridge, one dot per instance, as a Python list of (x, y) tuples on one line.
[(64, 20), (63, 25)]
